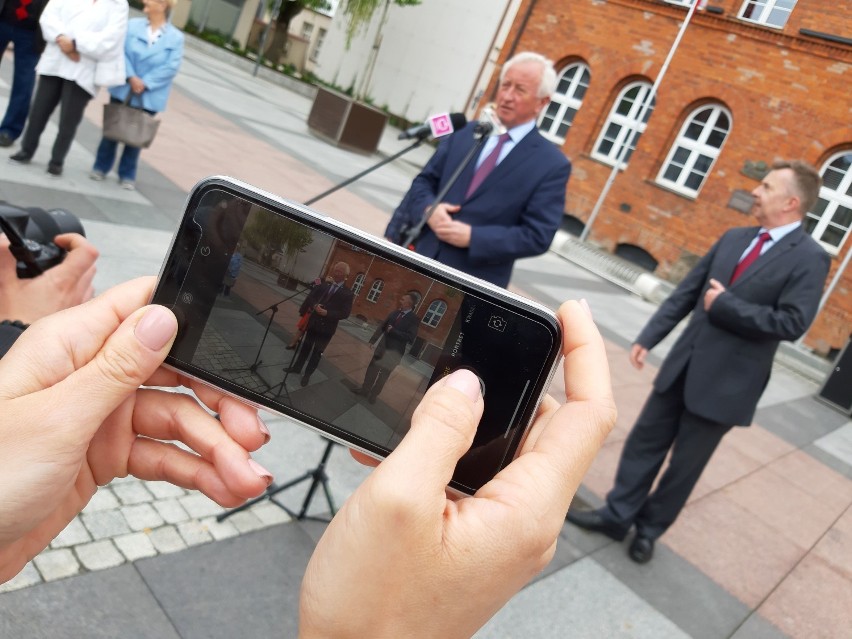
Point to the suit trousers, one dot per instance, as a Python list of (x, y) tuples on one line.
[(663, 425), (52, 91), (310, 349), (375, 378)]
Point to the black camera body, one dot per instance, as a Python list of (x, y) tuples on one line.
[(31, 231)]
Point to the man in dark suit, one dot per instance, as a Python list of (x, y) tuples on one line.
[(754, 288), (502, 207), (391, 338), (328, 304)]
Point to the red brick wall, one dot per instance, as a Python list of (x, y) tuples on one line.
[(789, 96)]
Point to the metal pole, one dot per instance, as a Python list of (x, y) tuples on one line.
[(276, 8), (630, 130)]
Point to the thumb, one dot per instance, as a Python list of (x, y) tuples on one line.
[(126, 360), (442, 429)]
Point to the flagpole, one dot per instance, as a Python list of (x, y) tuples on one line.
[(631, 128)]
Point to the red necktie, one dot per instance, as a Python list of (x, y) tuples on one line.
[(751, 256), (487, 165)]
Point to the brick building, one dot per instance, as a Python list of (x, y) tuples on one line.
[(752, 81)]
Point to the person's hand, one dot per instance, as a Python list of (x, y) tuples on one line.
[(402, 559), (320, 310), (72, 417), (446, 228), (67, 284), (638, 353), (136, 84), (74, 56), (715, 290), (66, 44)]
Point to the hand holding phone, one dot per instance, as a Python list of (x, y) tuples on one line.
[(333, 381), (401, 549)]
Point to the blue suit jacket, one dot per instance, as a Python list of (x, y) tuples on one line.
[(514, 212), (156, 65), (727, 352)]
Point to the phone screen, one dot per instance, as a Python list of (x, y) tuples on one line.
[(318, 322)]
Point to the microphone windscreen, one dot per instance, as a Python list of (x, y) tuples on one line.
[(458, 120)]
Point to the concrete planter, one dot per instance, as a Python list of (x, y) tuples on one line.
[(345, 122)]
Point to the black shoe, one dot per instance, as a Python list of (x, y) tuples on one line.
[(595, 521), (371, 399), (305, 380), (293, 369), (21, 157), (6, 140), (54, 169), (359, 391), (641, 549), (291, 347)]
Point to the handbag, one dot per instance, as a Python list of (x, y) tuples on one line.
[(129, 125)]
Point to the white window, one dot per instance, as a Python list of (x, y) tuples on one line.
[(434, 313), (697, 146), (772, 13), (307, 30), (556, 119), (831, 218), (624, 117), (358, 284), (318, 45), (375, 291)]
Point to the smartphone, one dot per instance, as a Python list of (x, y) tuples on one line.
[(299, 314)]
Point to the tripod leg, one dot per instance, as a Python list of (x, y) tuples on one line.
[(269, 494)]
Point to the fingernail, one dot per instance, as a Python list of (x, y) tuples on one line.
[(263, 429), (465, 381), (261, 471), (585, 306), (157, 326)]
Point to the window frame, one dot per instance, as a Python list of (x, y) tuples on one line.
[(430, 314), (565, 101), (375, 291), (767, 10), (696, 149), (626, 122), (358, 283), (842, 196)]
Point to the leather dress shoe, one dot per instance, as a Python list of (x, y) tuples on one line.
[(305, 380), (292, 369), (595, 521), (641, 549), (6, 140), (359, 391)]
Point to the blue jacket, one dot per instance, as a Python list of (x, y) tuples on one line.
[(514, 213), (156, 65)]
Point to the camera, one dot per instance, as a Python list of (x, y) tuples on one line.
[(31, 231)]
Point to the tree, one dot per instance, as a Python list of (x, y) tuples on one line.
[(360, 12), (289, 9), (267, 233)]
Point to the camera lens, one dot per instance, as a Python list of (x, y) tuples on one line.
[(45, 225)]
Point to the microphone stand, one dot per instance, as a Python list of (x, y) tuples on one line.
[(387, 160), (412, 233), (257, 361)]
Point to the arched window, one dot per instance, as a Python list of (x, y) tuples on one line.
[(566, 101), (358, 284), (772, 13), (434, 313), (624, 117), (375, 291), (831, 218), (697, 146)]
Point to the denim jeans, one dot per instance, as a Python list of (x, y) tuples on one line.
[(23, 79), (105, 157)]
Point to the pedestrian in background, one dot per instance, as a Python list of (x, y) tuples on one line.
[(83, 52), (152, 55), (19, 25)]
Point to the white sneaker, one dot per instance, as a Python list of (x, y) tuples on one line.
[(97, 176), (127, 185)]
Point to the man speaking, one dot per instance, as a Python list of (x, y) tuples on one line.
[(509, 202)]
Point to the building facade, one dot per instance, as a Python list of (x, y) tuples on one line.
[(751, 82)]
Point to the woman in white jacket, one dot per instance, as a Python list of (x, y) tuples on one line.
[(85, 50)]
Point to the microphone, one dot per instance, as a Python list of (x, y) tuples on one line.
[(437, 126), (489, 124)]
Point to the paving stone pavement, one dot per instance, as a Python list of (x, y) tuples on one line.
[(761, 550)]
